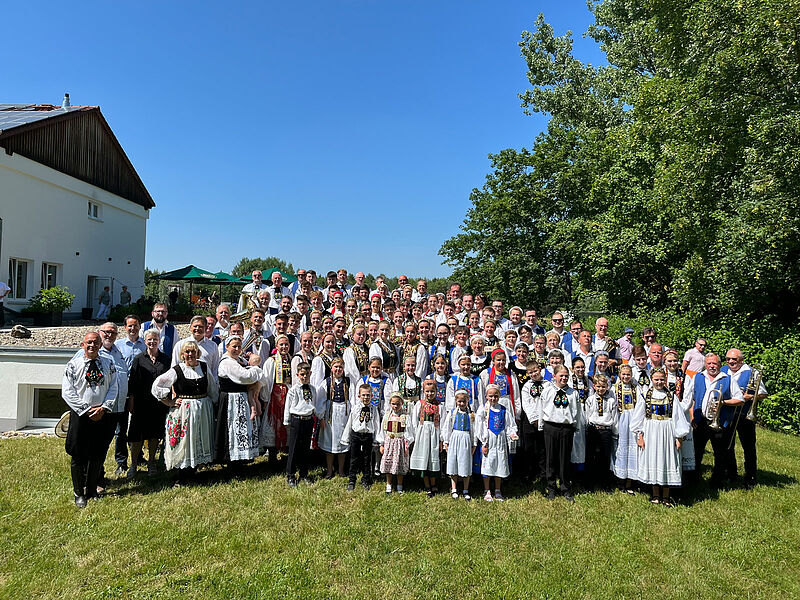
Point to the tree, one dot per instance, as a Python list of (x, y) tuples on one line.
[(246, 266), (667, 179)]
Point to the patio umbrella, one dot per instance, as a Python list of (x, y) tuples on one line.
[(191, 274)]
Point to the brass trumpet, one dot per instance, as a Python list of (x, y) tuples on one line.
[(714, 409), (752, 388)]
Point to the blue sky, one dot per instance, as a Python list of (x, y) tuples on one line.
[(363, 123)]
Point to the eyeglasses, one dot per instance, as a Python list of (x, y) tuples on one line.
[(648, 337), (732, 358), (558, 320)]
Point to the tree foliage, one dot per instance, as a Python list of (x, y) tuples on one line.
[(246, 266), (665, 180)]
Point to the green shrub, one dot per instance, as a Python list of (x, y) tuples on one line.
[(52, 300)]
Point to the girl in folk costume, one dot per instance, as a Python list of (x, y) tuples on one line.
[(675, 380), (555, 359), (411, 346), (458, 435), (626, 458), (321, 365), (464, 380), (339, 331), (519, 366), (384, 349), (237, 432), (408, 386), (394, 450), (497, 429), (350, 312), (460, 347), (336, 392), (659, 424), (398, 330), (441, 365), (276, 383), (381, 388), (509, 344), (583, 386), (375, 302), (506, 382), (190, 390), (442, 346), (337, 304), (424, 432), (306, 353), (316, 343), (480, 360), (601, 428), (356, 356)]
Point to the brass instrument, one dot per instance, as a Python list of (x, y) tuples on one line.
[(752, 414), (249, 302), (714, 409)]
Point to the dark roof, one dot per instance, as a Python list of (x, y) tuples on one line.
[(76, 141)]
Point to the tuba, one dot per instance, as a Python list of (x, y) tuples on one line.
[(249, 302), (752, 388), (714, 409)]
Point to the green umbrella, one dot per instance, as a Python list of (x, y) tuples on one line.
[(267, 273), (191, 274)]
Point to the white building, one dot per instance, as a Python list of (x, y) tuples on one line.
[(73, 210)]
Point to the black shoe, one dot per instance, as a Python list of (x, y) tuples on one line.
[(351, 486), (749, 483), (292, 482), (569, 498), (80, 501), (551, 494), (366, 484)]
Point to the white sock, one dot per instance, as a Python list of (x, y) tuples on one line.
[(399, 488), (388, 487)]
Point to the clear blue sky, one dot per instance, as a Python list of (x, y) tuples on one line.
[(365, 123)]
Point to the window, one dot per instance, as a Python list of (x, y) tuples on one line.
[(48, 403), (49, 275), (94, 211), (18, 277)]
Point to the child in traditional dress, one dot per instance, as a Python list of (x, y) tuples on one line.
[(335, 391), (496, 429), (583, 385), (659, 424), (441, 366), (626, 457), (394, 449), (601, 427), (381, 387), (424, 433), (640, 374), (675, 381), (464, 380), (302, 404), (363, 428), (532, 438), (458, 434), (408, 385)]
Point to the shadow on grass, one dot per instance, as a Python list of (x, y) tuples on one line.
[(695, 491)]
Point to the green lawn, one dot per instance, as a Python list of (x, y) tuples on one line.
[(255, 538)]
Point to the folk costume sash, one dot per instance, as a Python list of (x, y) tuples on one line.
[(283, 370), (626, 397), (338, 392), (361, 355)]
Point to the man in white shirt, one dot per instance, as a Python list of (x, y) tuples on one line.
[(341, 281), (251, 289), (421, 293), (277, 291)]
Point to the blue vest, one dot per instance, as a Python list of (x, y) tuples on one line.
[(461, 421), (589, 367), (497, 419), (743, 379), (434, 351), (723, 385), (470, 384), (377, 389), (167, 340)]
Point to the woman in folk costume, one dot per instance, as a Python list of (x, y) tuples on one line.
[(411, 346), (640, 371), (386, 350), (321, 365), (394, 450), (275, 385), (626, 457), (583, 385), (356, 356), (464, 380), (306, 353), (190, 389), (480, 360), (496, 428), (336, 391), (237, 432), (458, 435), (660, 425), (505, 381), (424, 431), (408, 386), (441, 366), (675, 381)]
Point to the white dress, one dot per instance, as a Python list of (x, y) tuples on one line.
[(189, 438), (687, 447), (660, 461), (578, 456), (494, 428), (626, 455), (337, 410), (233, 414), (425, 435), (458, 432)]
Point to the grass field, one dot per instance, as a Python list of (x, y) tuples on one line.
[(254, 537)]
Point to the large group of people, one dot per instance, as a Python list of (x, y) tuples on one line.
[(439, 385)]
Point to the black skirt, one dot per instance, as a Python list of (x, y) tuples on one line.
[(148, 414)]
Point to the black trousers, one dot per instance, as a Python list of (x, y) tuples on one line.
[(360, 452), (87, 443), (746, 430), (533, 449), (558, 449), (121, 443), (299, 446), (724, 467), (599, 447)]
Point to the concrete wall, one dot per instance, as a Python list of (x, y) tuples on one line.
[(45, 218), (21, 370)]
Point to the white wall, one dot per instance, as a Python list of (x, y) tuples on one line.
[(21, 370), (45, 218)]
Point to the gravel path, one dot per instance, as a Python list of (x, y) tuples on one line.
[(69, 335)]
